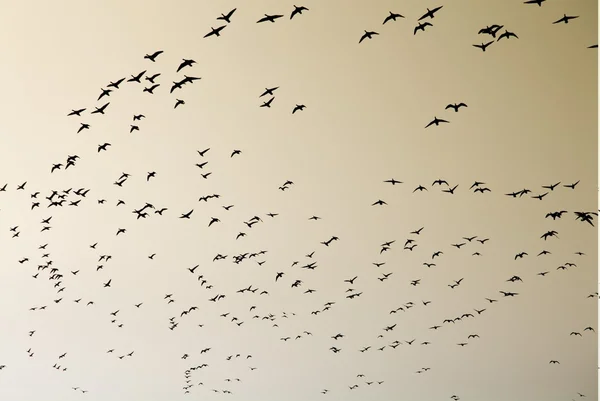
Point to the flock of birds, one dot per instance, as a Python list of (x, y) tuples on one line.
[(296, 275)]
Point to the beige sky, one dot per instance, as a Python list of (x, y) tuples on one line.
[(531, 121)]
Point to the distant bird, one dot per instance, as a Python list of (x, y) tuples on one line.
[(150, 90), (227, 17), (185, 63), (565, 19), (268, 103), (76, 112), (152, 78), (104, 146), (483, 46), (571, 186), (436, 121), (136, 78), (298, 10), (186, 215), (538, 2), (101, 109), (456, 106), (82, 127), (152, 57), (507, 35), (299, 107), (392, 17), (269, 91), (421, 27), (430, 13), (491, 30), (367, 35), (551, 187), (215, 31), (269, 18)]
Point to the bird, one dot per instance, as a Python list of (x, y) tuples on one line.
[(215, 31), (430, 13), (268, 103), (103, 146), (269, 91), (571, 186), (76, 112), (566, 18), (436, 121), (298, 107), (152, 57), (186, 215), (367, 35), (483, 46), (507, 35), (538, 2), (150, 90), (269, 18), (227, 17), (456, 106), (392, 17), (101, 109), (297, 10), (185, 63), (421, 27), (136, 78)]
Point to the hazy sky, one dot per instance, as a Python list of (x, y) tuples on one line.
[(530, 122)]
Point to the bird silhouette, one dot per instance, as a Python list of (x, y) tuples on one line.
[(367, 35)]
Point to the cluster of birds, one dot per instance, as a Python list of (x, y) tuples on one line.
[(297, 275), (424, 21)]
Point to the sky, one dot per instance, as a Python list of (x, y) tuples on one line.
[(100, 296)]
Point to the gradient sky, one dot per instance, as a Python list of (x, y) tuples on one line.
[(531, 121)]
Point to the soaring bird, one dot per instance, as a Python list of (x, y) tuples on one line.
[(421, 27), (152, 57), (297, 10), (270, 18), (436, 121), (392, 17), (483, 46), (566, 18), (215, 31), (367, 35), (455, 106), (227, 17), (430, 13)]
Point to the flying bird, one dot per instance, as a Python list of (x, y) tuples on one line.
[(566, 18), (436, 121), (298, 10), (456, 106), (227, 17), (430, 13), (421, 27), (269, 18), (152, 57), (392, 17), (215, 31), (367, 35)]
